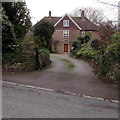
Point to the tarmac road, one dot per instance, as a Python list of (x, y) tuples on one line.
[(22, 102)]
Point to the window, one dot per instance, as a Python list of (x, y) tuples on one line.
[(65, 33), (66, 23), (83, 33)]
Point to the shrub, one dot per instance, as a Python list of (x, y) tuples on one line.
[(81, 39), (53, 51), (96, 44), (19, 60), (75, 44), (44, 58), (86, 52), (110, 60), (87, 38)]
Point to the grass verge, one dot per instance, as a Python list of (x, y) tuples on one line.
[(70, 64)]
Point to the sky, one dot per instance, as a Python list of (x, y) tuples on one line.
[(41, 8)]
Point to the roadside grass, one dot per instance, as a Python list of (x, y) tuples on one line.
[(70, 64)]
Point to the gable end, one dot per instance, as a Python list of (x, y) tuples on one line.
[(70, 19)]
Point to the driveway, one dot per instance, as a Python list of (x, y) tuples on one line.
[(66, 74)]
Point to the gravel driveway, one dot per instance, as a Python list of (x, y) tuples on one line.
[(78, 79)]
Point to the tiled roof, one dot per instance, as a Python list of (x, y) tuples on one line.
[(85, 24)]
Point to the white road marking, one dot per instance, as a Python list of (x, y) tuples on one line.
[(51, 90)]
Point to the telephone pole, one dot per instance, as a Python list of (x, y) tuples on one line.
[(119, 17)]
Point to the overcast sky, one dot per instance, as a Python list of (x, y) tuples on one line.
[(40, 8)]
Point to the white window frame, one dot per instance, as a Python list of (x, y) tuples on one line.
[(66, 23), (66, 33), (83, 33)]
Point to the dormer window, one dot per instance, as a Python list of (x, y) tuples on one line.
[(66, 23)]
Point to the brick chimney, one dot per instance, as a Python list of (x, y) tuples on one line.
[(50, 14), (82, 14)]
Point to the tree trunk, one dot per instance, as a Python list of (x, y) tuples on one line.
[(37, 59)]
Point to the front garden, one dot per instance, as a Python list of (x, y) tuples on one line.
[(23, 50), (104, 56)]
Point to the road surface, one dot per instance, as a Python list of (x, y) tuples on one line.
[(22, 102)]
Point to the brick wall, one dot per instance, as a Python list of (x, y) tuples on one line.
[(95, 35), (73, 35), (58, 37)]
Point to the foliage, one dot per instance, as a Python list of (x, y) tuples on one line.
[(19, 60), (87, 38), (26, 60), (75, 44), (96, 44), (45, 50), (8, 36), (85, 52), (27, 39), (81, 39), (107, 57), (53, 51), (19, 16), (44, 57), (43, 32), (16, 25), (84, 39), (110, 60)]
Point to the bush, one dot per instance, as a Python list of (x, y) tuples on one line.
[(75, 44), (44, 58), (24, 59), (86, 52), (96, 44), (87, 38), (53, 51), (110, 60), (81, 40), (20, 60)]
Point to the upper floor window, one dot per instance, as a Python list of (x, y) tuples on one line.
[(65, 33), (66, 23)]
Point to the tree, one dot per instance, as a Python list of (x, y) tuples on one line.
[(96, 16), (107, 29), (18, 14), (8, 36), (43, 31)]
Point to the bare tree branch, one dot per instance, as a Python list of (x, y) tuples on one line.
[(94, 15)]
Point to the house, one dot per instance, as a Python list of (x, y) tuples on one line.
[(68, 29)]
